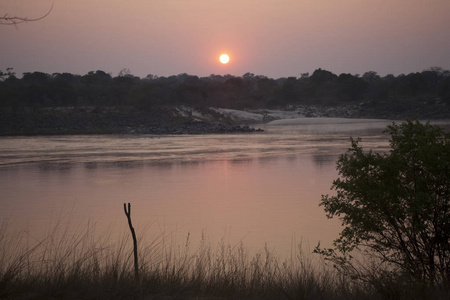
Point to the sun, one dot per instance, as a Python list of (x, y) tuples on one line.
[(224, 58)]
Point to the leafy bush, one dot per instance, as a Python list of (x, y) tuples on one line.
[(395, 207)]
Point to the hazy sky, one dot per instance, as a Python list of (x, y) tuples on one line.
[(276, 38)]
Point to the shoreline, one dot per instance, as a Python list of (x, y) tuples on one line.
[(170, 120), (90, 121)]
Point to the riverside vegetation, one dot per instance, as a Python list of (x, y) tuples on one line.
[(395, 207), (64, 103)]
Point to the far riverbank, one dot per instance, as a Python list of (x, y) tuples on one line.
[(166, 120)]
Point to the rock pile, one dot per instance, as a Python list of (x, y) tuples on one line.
[(107, 121)]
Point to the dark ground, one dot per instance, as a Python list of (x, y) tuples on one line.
[(108, 120)]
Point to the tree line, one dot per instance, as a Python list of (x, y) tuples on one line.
[(322, 87)]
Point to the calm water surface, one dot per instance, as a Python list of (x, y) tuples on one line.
[(261, 188)]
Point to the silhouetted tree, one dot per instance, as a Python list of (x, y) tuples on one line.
[(9, 73), (350, 88), (320, 76)]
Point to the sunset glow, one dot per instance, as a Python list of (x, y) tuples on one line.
[(224, 58), (271, 38)]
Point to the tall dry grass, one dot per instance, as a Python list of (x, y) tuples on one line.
[(82, 263)]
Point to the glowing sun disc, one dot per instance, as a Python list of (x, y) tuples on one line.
[(224, 58)]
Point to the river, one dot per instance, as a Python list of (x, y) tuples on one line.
[(261, 189)]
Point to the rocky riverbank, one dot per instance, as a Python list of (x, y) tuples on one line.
[(190, 120), (110, 120)]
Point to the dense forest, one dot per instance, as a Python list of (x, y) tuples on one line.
[(64, 103), (322, 87)]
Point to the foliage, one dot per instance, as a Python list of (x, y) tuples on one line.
[(377, 96), (395, 207)]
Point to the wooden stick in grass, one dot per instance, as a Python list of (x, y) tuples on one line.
[(133, 234)]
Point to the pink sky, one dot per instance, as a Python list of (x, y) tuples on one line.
[(276, 38)]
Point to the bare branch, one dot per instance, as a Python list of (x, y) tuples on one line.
[(14, 20), (133, 234)]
